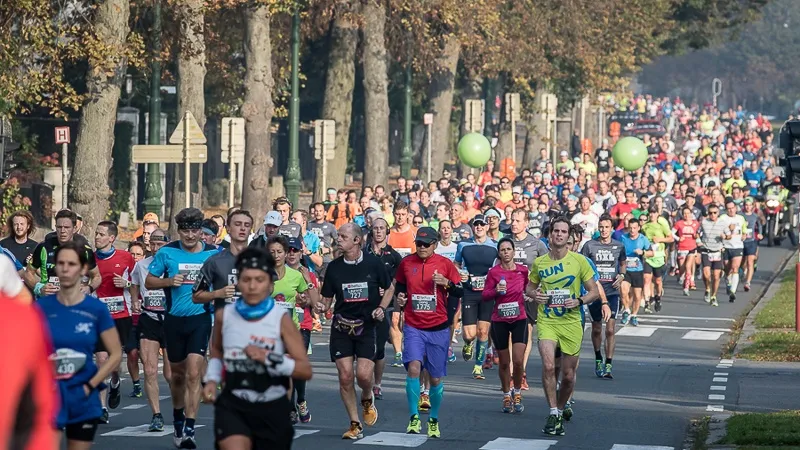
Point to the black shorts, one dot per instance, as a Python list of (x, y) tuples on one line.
[(750, 248), (731, 253), (124, 327), (81, 431), (266, 424), (132, 341), (474, 309), (636, 279), (381, 337), (151, 329), (532, 310), (657, 272), (343, 345), (714, 265), (452, 307), (518, 330), (186, 335), (596, 308)]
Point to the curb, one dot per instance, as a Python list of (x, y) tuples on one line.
[(717, 430), (748, 328)]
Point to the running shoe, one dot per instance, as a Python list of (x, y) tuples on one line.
[(626, 315), (413, 425), (354, 432), (156, 424), (188, 440), (293, 417), (303, 412), (647, 308), (424, 402), (433, 428), (554, 425), (398, 360), (487, 364), (137, 391), (693, 286), (466, 350), (495, 359), (518, 406), (377, 392), (732, 297), (370, 412), (114, 396), (714, 301), (568, 412), (657, 304), (451, 355), (607, 373), (507, 404), (686, 291), (524, 386), (634, 321), (104, 417), (598, 368), (477, 373), (317, 327), (707, 297), (747, 287)]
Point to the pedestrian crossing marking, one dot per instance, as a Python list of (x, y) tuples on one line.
[(387, 439), (300, 432), (518, 444), (141, 405), (719, 388), (715, 408), (637, 331), (321, 343), (640, 447), (141, 431), (113, 414), (720, 380), (697, 335), (716, 397)]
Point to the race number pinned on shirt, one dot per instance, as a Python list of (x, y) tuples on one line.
[(477, 282), (606, 273), (190, 272), (67, 363), (155, 301), (715, 256), (55, 282), (633, 263), (114, 304), (423, 303), (403, 252), (507, 310), (355, 292), (557, 298)]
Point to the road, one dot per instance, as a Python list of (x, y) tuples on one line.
[(664, 371)]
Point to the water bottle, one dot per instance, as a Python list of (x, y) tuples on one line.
[(501, 286)]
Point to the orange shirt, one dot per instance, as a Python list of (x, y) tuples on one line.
[(342, 213), (403, 243)]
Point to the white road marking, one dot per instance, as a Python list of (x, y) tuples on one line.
[(113, 414), (672, 327), (696, 335), (720, 379), (640, 447), (134, 406), (320, 343), (716, 397), (720, 374), (387, 439), (518, 444), (141, 431), (723, 366), (163, 397), (647, 319), (726, 361), (715, 408), (719, 388), (637, 331), (299, 432), (723, 319)]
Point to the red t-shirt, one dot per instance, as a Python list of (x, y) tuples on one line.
[(117, 299), (687, 234), (421, 291)]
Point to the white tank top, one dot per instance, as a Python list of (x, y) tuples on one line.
[(245, 378)]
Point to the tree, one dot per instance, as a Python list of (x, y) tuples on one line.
[(89, 189), (376, 92)]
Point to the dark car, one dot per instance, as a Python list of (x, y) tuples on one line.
[(622, 122)]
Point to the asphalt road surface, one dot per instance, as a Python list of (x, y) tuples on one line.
[(663, 374)]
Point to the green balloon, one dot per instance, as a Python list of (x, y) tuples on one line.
[(474, 150), (629, 153)]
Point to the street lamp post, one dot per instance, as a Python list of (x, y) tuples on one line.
[(152, 190), (292, 182), (406, 159)]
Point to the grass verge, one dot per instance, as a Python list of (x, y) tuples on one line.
[(779, 312), (773, 346), (764, 430)]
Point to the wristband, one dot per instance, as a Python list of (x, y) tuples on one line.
[(89, 385), (580, 301), (214, 371), (281, 364), (37, 290)]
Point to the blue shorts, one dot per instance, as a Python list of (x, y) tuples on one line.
[(750, 248), (428, 347), (596, 308)]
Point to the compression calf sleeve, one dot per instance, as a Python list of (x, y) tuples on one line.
[(412, 395), (437, 392), (480, 356)]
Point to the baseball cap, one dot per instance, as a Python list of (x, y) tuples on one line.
[(479, 218), (150, 218), (749, 200), (331, 191), (426, 235), (516, 190), (564, 153), (618, 169), (273, 218), (491, 212), (294, 243)]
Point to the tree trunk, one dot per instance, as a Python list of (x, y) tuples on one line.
[(338, 104), (191, 79), (257, 110), (472, 90), (89, 191), (441, 97), (376, 96)]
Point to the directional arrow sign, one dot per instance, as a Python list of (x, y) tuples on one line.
[(196, 135), (170, 154)]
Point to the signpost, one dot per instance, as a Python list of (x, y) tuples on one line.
[(187, 132), (716, 89), (233, 144), (324, 144), (512, 116), (62, 137), (428, 121), (474, 116)]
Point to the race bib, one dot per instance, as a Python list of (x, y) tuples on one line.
[(558, 297), (477, 282), (355, 292), (715, 256), (403, 252), (67, 362), (508, 309), (632, 263), (155, 301), (606, 273), (190, 272), (683, 253), (749, 235), (423, 303), (54, 281), (114, 304), (285, 304)]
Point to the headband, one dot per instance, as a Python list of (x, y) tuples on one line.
[(207, 231), (256, 263), (190, 225), (159, 238)]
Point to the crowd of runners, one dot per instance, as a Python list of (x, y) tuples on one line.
[(499, 261)]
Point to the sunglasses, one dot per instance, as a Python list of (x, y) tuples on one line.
[(295, 250), (421, 244)]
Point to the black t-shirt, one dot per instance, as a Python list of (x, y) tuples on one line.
[(22, 252), (391, 260), (44, 255), (603, 155), (355, 287), (218, 271), (77, 238)]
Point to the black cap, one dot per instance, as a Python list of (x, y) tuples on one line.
[(479, 218), (294, 243), (427, 235)]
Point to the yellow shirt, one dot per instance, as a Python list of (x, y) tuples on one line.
[(560, 279)]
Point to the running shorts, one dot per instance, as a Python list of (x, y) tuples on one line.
[(518, 330), (568, 336), (343, 345), (381, 337), (428, 347), (714, 265), (657, 272), (474, 309), (452, 307), (81, 431), (636, 279), (596, 308), (124, 327), (750, 248), (151, 329), (731, 253), (532, 311), (267, 424), (186, 335)]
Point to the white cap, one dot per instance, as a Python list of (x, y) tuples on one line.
[(273, 218)]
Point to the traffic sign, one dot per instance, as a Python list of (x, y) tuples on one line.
[(474, 116), (170, 154), (233, 139), (512, 107), (195, 133), (325, 139), (427, 119), (62, 135)]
